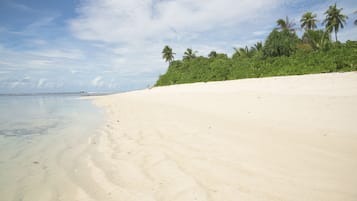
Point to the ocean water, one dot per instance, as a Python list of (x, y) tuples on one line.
[(42, 141)]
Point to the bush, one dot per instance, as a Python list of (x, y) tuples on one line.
[(339, 57), (317, 39), (280, 43)]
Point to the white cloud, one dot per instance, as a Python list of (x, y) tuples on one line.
[(97, 81), (120, 60), (41, 22), (41, 82), (348, 34), (38, 42), (260, 33), (21, 7), (39, 63), (74, 71), (59, 53), (19, 82), (136, 20), (132, 33), (14, 84), (7, 63)]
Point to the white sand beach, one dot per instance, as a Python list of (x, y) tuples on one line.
[(282, 138)]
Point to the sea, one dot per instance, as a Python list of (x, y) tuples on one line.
[(42, 139)]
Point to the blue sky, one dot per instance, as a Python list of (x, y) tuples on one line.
[(108, 45)]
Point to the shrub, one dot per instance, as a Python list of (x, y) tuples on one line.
[(280, 43)]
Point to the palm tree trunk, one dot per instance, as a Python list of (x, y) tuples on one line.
[(336, 34)]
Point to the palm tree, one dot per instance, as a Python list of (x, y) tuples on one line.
[(308, 21), (258, 46), (356, 19), (242, 52), (334, 19), (286, 24), (212, 54), (189, 54), (167, 54), (318, 39)]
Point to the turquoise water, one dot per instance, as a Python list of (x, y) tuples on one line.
[(22, 116), (41, 138)]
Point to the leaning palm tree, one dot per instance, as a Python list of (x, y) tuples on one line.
[(318, 39), (242, 52), (308, 21), (167, 54), (189, 54), (334, 19), (286, 24)]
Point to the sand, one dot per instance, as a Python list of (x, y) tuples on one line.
[(282, 138)]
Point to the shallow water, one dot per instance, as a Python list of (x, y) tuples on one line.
[(42, 139)]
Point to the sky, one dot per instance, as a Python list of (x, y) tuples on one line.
[(116, 45)]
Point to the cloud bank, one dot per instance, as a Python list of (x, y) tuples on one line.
[(141, 20)]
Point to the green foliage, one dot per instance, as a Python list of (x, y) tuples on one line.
[(189, 54), (258, 46), (212, 54), (222, 56), (241, 52), (283, 53), (286, 25), (339, 57), (280, 43), (308, 21), (317, 39), (334, 19), (167, 54)]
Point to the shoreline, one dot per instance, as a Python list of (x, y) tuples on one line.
[(276, 138)]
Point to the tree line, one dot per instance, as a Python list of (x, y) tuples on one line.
[(282, 53)]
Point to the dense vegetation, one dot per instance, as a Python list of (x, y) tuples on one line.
[(283, 53)]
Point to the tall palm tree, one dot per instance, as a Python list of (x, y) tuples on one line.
[(286, 24), (308, 21), (189, 54), (167, 54), (334, 19)]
